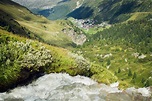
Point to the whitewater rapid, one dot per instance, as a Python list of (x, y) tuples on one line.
[(63, 87)]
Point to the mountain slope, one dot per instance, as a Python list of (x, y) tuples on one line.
[(51, 9), (111, 10), (125, 49), (22, 60), (31, 4), (38, 27)]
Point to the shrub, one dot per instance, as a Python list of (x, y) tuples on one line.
[(18, 56), (25, 55), (34, 59), (82, 65)]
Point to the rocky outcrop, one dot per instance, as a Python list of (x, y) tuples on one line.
[(77, 38)]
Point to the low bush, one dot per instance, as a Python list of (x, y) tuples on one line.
[(19, 60)]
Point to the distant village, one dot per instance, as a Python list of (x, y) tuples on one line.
[(88, 23)]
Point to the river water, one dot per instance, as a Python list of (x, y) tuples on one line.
[(62, 87)]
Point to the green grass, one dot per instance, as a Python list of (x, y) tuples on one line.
[(139, 15), (121, 58), (37, 27), (93, 30), (14, 72), (122, 44)]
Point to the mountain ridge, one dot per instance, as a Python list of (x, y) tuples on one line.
[(51, 9), (99, 10), (112, 11)]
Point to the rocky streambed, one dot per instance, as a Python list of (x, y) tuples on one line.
[(63, 87)]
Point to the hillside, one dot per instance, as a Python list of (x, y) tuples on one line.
[(51, 9), (113, 11), (33, 4), (125, 49), (22, 60), (60, 33), (121, 42)]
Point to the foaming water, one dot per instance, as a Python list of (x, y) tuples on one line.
[(62, 87)]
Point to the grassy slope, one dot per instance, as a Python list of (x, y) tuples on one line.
[(122, 40), (121, 58), (48, 31), (12, 73), (19, 20), (130, 34)]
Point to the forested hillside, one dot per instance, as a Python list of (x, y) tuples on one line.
[(125, 49), (111, 10)]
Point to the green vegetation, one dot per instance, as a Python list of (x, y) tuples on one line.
[(137, 34), (115, 11), (19, 20), (124, 49), (22, 59)]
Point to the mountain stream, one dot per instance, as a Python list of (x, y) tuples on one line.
[(63, 87)]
